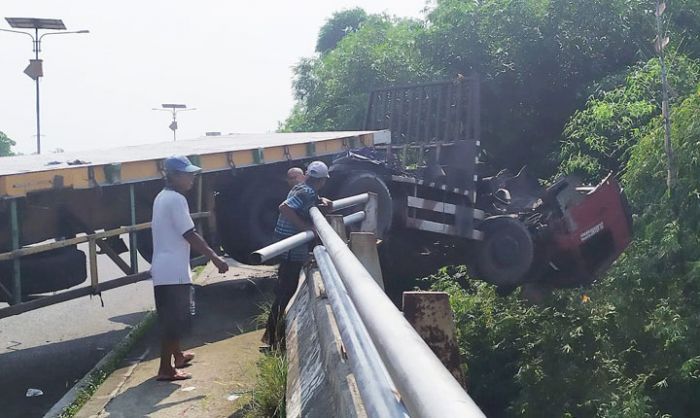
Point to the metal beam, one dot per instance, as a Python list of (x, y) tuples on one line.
[(282, 246), (375, 387), (80, 292), (425, 385)]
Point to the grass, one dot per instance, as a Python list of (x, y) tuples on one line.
[(268, 396), (260, 320), (98, 376)]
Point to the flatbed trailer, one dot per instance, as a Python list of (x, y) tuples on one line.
[(419, 156), (51, 202)]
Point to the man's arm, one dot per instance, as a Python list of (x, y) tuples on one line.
[(201, 246), (291, 215)]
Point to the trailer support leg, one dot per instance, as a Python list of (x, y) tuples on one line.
[(16, 278), (92, 251), (133, 255)]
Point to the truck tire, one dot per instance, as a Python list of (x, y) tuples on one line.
[(144, 245), (232, 227), (363, 182), (47, 272), (261, 202), (506, 253)]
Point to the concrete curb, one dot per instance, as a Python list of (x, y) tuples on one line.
[(122, 348), (114, 356)]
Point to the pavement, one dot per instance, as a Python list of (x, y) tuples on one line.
[(225, 340), (53, 347)]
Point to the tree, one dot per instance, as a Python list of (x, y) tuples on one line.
[(598, 138), (337, 27), (332, 90), (6, 145)]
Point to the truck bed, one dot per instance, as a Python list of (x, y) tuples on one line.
[(95, 168)]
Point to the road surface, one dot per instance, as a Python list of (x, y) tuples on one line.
[(52, 348)]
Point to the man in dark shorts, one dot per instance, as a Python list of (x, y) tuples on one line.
[(173, 236), (294, 218)]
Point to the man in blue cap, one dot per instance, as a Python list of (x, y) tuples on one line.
[(294, 217), (173, 236)]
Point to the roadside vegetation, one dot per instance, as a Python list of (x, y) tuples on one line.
[(569, 87), (268, 396)]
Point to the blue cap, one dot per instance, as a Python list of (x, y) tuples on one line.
[(181, 164)]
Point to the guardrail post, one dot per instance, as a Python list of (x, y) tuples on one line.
[(431, 316), (364, 246), (92, 251), (370, 222), (133, 255), (16, 274), (338, 225)]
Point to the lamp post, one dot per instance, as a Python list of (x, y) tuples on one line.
[(35, 69), (174, 109)]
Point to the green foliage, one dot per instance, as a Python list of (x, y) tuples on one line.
[(6, 145), (332, 90), (630, 347), (572, 80), (598, 138), (337, 27), (268, 399)]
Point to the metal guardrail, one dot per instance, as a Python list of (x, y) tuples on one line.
[(426, 387), (372, 378), (95, 287), (385, 352), (282, 246)]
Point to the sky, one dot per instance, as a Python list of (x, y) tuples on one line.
[(231, 60)]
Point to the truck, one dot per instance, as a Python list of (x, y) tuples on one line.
[(419, 153)]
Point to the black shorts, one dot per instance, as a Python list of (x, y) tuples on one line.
[(173, 308)]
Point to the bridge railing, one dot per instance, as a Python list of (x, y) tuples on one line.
[(397, 373)]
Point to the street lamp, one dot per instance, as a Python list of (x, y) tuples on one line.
[(35, 69), (174, 109)]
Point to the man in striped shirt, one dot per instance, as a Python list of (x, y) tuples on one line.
[(294, 218)]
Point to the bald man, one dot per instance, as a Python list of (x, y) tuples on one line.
[(295, 175)]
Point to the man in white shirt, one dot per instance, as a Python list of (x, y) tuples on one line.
[(173, 236)]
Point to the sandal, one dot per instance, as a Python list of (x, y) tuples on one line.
[(186, 360), (179, 375)]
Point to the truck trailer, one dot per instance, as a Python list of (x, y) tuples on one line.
[(419, 153)]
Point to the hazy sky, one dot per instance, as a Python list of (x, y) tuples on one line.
[(229, 59)]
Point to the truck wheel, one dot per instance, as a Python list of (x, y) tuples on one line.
[(261, 201), (144, 245), (506, 254), (232, 226), (47, 272), (369, 182)]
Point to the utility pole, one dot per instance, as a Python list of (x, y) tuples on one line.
[(35, 69), (174, 109)]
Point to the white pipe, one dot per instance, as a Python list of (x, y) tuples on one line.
[(426, 387)]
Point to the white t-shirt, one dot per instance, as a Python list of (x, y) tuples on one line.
[(171, 251)]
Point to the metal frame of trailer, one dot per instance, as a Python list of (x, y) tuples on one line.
[(26, 176)]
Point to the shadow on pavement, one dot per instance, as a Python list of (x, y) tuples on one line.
[(145, 399)]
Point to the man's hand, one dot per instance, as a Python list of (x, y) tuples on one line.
[(220, 264), (327, 203)]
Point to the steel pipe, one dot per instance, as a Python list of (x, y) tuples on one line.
[(425, 385), (282, 246), (372, 377), (346, 202)]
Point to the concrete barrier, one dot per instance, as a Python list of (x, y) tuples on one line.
[(319, 381)]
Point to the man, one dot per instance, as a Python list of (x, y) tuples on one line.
[(295, 175), (173, 235), (294, 218)]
